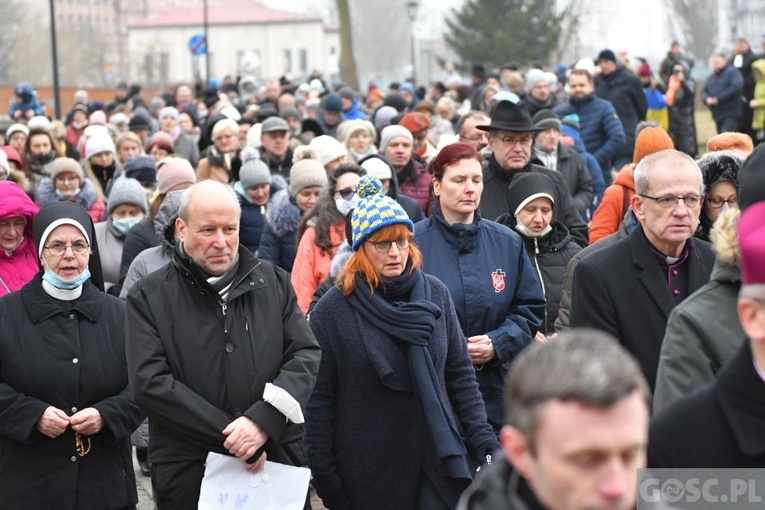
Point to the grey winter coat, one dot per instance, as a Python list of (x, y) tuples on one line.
[(186, 146), (110, 242), (703, 332), (154, 258)]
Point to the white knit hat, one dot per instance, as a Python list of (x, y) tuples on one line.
[(98, 143), (327, 148)]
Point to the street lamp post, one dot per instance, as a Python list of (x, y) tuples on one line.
[(411, 8), (54, 50)]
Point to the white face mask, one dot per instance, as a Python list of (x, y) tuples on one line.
[(344, 205)]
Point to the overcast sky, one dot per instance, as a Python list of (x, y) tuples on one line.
[(638, 27)]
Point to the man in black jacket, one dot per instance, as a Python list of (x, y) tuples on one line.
[(727, 415), (219, 355), (624, 91), (510, 139), (628, 289), (575, 432)]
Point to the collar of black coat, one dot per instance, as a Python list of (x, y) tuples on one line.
[(505, 176), (739, 392), (41, 306), (247, 264)]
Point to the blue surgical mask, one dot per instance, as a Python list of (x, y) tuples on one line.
[(124, 226), (55, 280), (344, 205)]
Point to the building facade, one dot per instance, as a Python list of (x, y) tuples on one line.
[(245, 38)]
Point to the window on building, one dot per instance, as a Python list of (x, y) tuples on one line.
[(287, 61), (303, 60)]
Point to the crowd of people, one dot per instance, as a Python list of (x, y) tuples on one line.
[(397, 289)]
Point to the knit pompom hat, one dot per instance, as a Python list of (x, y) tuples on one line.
[(254, 171), (127, 191), (374, 211), (328, 149), (306, 170), (649, 141)]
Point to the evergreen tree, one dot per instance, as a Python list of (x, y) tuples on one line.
[(497, 31)]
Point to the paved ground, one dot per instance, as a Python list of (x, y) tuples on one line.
[(146, 502)]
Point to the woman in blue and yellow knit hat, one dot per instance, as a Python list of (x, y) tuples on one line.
[(396, 384)]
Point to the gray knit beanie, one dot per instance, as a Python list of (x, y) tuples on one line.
[(127, 191), (390, 132), (253, 171)]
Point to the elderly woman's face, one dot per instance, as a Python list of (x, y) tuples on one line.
[(537, 215), (12, 232), (227, 141), (388, 257), (69, 264)]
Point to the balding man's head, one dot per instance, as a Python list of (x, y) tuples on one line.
[(208, 226)]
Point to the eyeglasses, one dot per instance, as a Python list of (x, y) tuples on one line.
[(384, 246), (58, 249), (346, 192), (667, 201), (67, 178), (718, 202), (512, 142)]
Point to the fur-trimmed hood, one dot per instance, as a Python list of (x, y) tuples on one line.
[(164, 221), (46, 194), (283, 214), (341, 256), (719, 166), (725, 237)]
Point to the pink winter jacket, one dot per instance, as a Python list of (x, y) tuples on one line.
[(311, 267), (19, 266)]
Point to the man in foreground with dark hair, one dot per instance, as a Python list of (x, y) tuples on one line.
[(576, 429)]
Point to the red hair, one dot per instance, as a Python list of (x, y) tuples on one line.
[(450, 155), (359, 262)]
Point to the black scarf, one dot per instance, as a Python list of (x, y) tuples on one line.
[(412, 322), (217, 289)]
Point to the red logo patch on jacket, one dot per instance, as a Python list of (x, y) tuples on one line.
[(498, 280)]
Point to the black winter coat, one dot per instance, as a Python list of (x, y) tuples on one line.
[(196, 365), (549, 255), (682, 123), (367, 434), (141, 237), (622, 290), (70, 355), (571, 167), (251, 224), (494, 197), (727, 86), (718, 426), (625, 92)]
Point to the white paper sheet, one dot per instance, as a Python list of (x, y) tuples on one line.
[(228, 486)]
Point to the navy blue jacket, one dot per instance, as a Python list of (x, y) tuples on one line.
[(251, 225), (727, 86), (278, 245), (601, 131), (596, 173), (495, 290), (625, 92)]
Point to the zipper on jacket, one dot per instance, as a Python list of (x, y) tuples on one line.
[(223, 307), (541, 282)]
